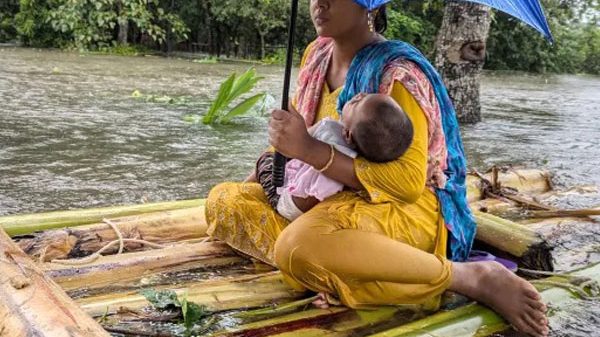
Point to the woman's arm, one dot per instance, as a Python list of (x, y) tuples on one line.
[(341, 169), (402, 179), (289, 135)]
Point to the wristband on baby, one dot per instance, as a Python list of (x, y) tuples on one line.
[(331, 157)]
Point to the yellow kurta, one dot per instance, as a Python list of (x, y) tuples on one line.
[(385, 245)]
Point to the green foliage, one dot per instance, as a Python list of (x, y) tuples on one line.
[(412, 29), (415, 22), (94, 24), (258, 29), (32, 26), (230, 90), (8, 10), (168, 300), (164, 99), (278, 57), (164, 299), (191, 312), (84, 24), (515, 46), (124, 50), (591, 64), (233, 89)]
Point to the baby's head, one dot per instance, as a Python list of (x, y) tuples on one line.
[(377, 126)]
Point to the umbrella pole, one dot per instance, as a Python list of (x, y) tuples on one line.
[(279, 160)]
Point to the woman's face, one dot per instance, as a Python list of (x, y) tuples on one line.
[(337, 18)]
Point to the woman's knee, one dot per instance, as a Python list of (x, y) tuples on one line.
[(224, 194), (219, 202), (284, 247), (297, 243), (218, 191)]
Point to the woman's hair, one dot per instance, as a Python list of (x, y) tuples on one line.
[(381, 23)]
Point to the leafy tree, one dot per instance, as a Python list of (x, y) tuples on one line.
[(91, 24), (515, 46), (591, 38), (8, 10), (415, 22), (32, 26), (258, 28)]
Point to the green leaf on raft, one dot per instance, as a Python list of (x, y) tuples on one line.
[(192, 312), (163, 299), (168, 300)]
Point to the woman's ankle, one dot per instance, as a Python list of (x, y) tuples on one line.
[(466, 276)]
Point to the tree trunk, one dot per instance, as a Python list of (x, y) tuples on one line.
[(123, 23), (460, 55), (170, 38), (123, 29), (263, 51)]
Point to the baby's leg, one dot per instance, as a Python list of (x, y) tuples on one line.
[(264, 176), (305, 204)]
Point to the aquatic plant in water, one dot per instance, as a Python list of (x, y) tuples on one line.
[(230, 90), (165, 99)]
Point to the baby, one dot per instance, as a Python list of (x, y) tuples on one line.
[(373, 126)]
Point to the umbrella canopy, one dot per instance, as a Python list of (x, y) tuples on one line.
[(528, 11)]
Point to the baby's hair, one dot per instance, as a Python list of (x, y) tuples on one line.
[(384, 133)]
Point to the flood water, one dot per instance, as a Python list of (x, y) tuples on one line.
[(72, 135)]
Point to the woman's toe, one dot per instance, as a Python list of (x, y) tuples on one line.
[(533, 294), (526, 326), (537, 325)]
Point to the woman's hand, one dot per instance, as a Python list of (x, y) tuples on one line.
[(251, 178), (288, 134)]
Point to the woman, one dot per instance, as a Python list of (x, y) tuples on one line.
[(384, 241)]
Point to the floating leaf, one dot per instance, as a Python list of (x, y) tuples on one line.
[(191, 118)]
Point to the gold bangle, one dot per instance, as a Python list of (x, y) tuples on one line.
[(331, 157)]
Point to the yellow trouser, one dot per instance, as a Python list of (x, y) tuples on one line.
[(367, 254)]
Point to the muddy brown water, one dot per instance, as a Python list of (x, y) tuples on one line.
[(72, 136)]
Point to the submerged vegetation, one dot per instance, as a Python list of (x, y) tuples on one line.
[(231, 90)]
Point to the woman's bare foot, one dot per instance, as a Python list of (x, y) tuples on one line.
[(509, 295), (321, 302)]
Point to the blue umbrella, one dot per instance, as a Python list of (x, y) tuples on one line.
[(528, 11)]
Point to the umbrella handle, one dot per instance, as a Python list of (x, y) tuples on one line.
[(280, 160)]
